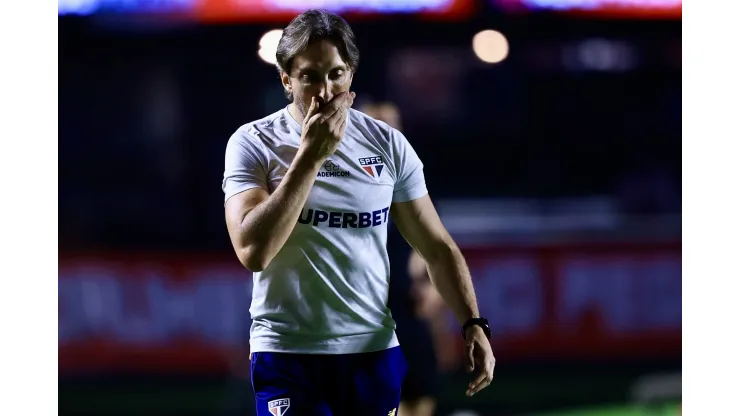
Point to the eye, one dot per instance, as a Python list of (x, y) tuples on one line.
[(337, 74)]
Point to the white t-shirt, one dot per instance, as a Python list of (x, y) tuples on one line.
[(326, 291)]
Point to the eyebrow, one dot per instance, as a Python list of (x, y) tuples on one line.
[(309, 69)]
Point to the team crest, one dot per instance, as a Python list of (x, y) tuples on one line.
[(278, 407), (373, 166)]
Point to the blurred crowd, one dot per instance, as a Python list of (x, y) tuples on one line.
[(144, 119)]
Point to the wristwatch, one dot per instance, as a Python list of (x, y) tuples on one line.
[(481, 322)]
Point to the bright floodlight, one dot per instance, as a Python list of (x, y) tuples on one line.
[(490, 46), (268, 46)]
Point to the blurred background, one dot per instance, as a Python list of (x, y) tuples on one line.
[(550, 133)]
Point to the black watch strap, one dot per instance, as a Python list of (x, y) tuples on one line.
[(481, 322)]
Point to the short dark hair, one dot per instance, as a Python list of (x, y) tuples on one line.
[(312, 26)]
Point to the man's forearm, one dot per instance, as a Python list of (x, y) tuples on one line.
[(266, 228), (451, 276)]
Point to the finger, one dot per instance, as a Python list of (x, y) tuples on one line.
[(482, 385), (337, 102), (488, 377), (314, 119), (332, 113), (337, 109), (351, 100), (312, 110), (340, 101), (342, 128), (480, 378), (337, 127), (336, 118)]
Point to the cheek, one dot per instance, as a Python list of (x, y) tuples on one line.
[(301, 90), (341, 85), (339, 88)]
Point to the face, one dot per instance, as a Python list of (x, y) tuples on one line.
[(319, 72)]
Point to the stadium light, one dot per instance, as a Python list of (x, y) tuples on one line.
[(268, 46), (490, 46)]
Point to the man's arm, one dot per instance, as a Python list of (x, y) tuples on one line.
[(259, 224), (418, 222), (421, 227)]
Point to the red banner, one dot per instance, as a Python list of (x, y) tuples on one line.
[(149, 312), (601, 300), (190, 313), (282, 11), (617, 9)]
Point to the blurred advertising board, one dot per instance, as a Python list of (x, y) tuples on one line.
[(265, 10), (581, 300), (189, 313), (629, 9), (669, 409), (170, 312)]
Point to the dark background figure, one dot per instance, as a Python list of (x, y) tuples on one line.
[(418, 394)]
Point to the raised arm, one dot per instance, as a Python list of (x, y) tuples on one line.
[(260, 223)]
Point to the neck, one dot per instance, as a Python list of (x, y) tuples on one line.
[(295, 113)]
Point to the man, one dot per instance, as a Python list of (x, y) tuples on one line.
[(309, 190), (407, 304)]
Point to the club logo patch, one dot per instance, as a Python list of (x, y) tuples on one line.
[(278, 407), (373, 166)]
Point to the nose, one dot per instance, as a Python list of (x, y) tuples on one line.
[(325, 92)]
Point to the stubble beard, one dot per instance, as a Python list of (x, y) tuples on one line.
[(301, 107)]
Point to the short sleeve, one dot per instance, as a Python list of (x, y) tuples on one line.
[(244, 167), (410, 183)]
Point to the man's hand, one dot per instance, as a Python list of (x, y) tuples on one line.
[(479, 356), (323, 129), (260, 222)]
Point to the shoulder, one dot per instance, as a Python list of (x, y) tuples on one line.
[(386, 138), (271, 125), (254, 133), (372, 128)]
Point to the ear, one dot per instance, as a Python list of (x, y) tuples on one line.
[(285, 79)]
